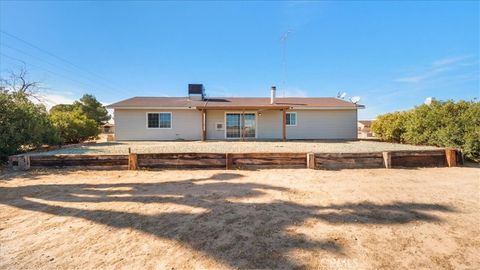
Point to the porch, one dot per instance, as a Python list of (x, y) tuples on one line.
[(244, 123)]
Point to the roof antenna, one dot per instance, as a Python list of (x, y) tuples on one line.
[(283, 40)]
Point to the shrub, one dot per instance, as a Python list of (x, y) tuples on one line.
[(74, 126), (444, 124), (390, 127)]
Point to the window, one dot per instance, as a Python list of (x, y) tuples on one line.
[(291, 119), (159, 120)]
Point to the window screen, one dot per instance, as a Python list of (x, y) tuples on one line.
[(165, 120), (159, 120), (291, 119), (153, 120)]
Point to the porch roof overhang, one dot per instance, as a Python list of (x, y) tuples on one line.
[(226, 108)]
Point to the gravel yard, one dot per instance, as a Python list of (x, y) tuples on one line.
[(265, 219), (236, 147)]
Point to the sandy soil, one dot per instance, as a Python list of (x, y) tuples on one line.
[(236, 147), (350, 219)]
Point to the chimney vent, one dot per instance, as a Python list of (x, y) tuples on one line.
[(273, 93)]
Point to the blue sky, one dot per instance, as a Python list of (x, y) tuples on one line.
[(391, 54)]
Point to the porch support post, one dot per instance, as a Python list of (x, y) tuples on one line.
[(284, 125), (204, 125), (243, 125)]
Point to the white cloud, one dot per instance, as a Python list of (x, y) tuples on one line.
[(412, 79), (436, 68), (50, 99), (449, 60)]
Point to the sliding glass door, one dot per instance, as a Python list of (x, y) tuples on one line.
[(249, 125), (240, 125), (233, 125)]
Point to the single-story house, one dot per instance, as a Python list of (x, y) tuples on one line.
[(108, 128), (196, 117), (364, 128)]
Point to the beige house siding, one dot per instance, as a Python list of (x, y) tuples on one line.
[(132, 125), (214, 117), (270, 124), (311, 124), (324, 124), (186, 124)]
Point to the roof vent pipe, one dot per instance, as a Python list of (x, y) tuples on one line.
[(273, 93)]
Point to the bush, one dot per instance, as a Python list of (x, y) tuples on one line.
[(74, 126), (390, 127), (23, 124), (444, 124)]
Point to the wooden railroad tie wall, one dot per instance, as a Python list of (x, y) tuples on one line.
[(337, 161), (87, 161), (182, 160), (267, 160), (426, 158), (328, 161)]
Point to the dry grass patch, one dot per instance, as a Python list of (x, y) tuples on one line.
[(354, 219)]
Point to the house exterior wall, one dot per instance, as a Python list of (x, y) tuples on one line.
[(311, 124), (187, 125), (269, 124), (214, 117), (324, 124), (132, 125)]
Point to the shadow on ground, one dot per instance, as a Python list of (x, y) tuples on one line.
[(239, 234)]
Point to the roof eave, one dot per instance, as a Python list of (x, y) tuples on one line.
[(239, 107), (149, 108)]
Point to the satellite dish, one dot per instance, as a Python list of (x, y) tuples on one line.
[(428, 101), (343, 95), (355, 99)]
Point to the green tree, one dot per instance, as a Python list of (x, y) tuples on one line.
[(73, 126), (62, 108), (93, 109), (23, 124)]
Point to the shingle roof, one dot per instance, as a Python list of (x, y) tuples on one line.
[(184, 102)]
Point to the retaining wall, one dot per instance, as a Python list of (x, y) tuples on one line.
[(329, 161)]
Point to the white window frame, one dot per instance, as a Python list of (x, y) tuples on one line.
[(171, 120), (239, 112), (296, 119)]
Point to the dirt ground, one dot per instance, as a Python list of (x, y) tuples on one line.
[(349, 219)]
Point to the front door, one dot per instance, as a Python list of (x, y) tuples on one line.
[(240, 125)]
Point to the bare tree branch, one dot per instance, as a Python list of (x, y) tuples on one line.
[(17, 82)]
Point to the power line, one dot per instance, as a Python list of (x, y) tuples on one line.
[(47, 70), (54, 55), (61, 67)]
